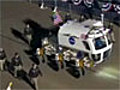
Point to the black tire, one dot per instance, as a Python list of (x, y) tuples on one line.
[(77, 73)]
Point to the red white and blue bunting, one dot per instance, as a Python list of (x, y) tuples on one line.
[(88, 3), (76, 2), (117, 8), (107, 7)]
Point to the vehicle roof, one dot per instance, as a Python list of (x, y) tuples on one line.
[(76, 28)]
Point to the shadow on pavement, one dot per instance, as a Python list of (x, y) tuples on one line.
[(9, 67), (53, 66), (39, 32), (6, 37), (21, 74), (35, 59), (18, 35), (73, 72), (24, 76), (32, 57), (29, 52)]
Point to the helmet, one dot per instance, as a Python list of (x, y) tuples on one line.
[(60, 48)]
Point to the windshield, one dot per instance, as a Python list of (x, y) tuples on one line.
[(99, 43)]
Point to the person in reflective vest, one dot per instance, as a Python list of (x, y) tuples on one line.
[(80, 64), (40, 54), (88, 63), (40, 51)]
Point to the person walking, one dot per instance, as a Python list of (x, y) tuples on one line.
[(28, 33), (34, 72), (111, 32), (17, 64), (2, 59)]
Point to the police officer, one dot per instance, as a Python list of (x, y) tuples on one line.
[(40, 54), (2, 59), (80, 64), (28, 33), (81, 18), (34, 72), (67, 17), (17, 64)]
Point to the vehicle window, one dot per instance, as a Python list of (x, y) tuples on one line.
[(99, 43), (106, 54), (96, 57), (86, 45)]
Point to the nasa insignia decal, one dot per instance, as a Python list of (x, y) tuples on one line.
[(72, 40)]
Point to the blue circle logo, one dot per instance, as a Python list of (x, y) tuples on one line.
[(72, 40)]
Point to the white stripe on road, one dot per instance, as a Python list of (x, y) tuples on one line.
[(108, 72)]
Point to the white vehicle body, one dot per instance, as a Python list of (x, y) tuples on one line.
[(84, 37)]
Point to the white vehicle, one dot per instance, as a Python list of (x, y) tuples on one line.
[(75, 40), (89, 37)]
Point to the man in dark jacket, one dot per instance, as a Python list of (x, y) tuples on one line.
[(17, 63), (68, 17), (28, 33), (2, 59), (34, 72)]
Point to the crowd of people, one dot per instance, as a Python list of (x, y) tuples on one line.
[(17, 65), (34, 71)]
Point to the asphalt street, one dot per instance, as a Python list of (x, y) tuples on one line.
[(13, 15)]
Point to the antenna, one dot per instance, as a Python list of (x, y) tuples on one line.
[(55, 9)]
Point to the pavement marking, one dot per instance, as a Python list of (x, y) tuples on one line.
[(108, 72)]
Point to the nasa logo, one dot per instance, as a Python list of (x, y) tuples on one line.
[(72, 40)]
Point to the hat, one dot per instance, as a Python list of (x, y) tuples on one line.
[(10, 84)]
